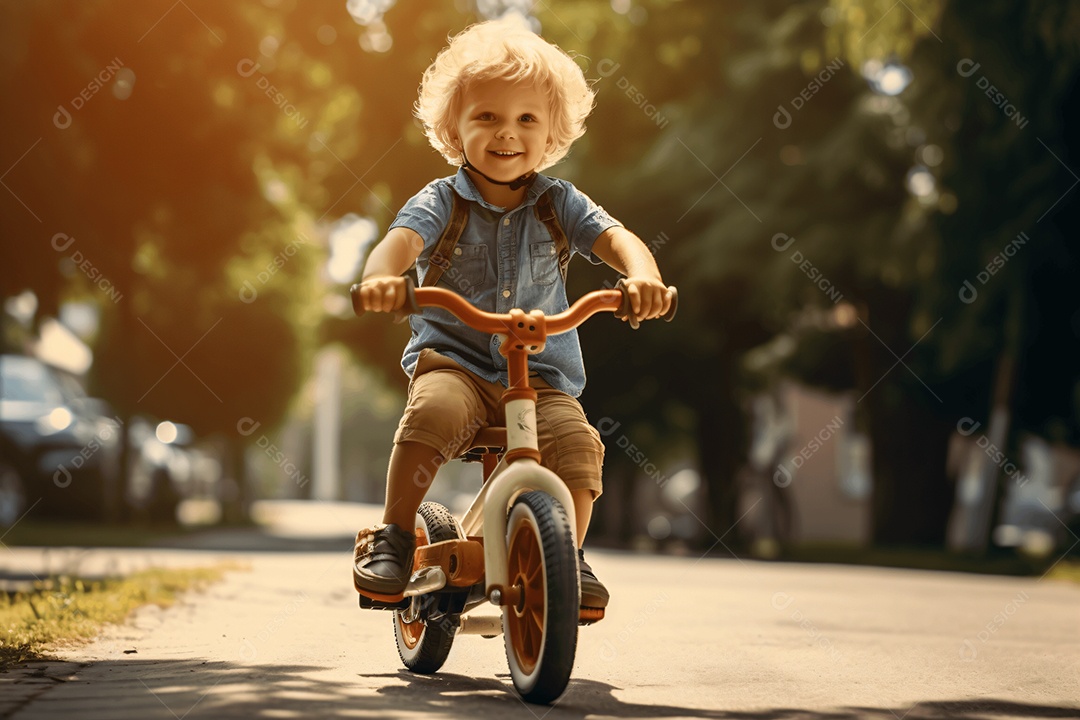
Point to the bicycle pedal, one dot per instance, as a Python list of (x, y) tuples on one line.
[(372, 604), (590, 615)]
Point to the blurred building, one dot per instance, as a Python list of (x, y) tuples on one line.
[(808, 480)]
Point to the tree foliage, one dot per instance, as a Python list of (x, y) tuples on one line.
[(199, 154)]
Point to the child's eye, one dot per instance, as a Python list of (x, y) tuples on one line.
[(528, 118), (485, 116)]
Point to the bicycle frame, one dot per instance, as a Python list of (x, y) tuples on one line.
[(519, 470), (487, 513)]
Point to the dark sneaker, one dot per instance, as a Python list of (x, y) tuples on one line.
[(383, 559), (593, 592)]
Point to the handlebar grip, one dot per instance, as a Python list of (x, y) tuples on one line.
[(357, 305), (409, 308), (626, 311), (670, 315)]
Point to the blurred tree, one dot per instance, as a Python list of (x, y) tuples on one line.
[(768, 152), (141, 188), (994, 107), (704, 184), (190, 180), (786, 180)]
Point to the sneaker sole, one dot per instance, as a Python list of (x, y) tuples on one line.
[(381, 593), (590, 615)]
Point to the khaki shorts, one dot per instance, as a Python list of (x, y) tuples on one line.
[(448, 405)]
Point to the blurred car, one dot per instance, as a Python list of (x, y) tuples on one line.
[(1040, 511), (58, 450), (169, 465)]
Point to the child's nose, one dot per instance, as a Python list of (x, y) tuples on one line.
[(504, 131)]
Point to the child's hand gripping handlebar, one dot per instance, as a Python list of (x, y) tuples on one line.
[(513, 323)]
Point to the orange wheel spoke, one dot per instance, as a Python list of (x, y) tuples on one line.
[(525, 563), (537, 617), (527, 552), (534, 638)]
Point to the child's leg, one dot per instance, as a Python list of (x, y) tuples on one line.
[(443, 413), (583, 502), (406, 481), (571, 448)]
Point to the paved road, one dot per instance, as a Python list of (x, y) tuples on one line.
[(684, 638)]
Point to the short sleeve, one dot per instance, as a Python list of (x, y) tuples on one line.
[(582, 219), (427, 213)]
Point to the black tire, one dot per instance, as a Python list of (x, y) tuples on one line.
[(543, 561), (423, 647)]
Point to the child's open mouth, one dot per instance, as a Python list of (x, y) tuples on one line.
[(505, 153)]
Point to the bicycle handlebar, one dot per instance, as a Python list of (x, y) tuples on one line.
[(616, 301)]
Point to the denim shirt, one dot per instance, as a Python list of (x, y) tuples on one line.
[(504, 260)]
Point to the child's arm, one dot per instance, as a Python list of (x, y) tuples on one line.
[(382, 288), (624, 251)]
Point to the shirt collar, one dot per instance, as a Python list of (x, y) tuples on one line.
[(464, 186)]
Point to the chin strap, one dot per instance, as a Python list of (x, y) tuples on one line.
[(523, 181)]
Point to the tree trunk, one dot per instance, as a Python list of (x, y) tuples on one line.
[(117, 509), (721, 442), (912, 496), (116, 505), (613, 520), (236, 494)]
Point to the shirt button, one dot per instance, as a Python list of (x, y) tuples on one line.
[(457, 251), (506, 293), (506, 221)]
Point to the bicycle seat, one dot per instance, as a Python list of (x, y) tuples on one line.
[(487, 440)]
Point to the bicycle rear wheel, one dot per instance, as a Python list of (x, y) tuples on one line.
[(422, 645)]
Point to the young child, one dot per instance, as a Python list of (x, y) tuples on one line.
[(501, 104)]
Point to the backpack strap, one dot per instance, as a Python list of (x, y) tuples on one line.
[(442, 256), (440, 259), (545, 212)]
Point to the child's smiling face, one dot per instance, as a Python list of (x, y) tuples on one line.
[(504, 128)]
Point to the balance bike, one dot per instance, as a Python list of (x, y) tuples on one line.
[(515, 546)]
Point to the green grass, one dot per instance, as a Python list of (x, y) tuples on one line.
[(60, 533), (45, 533), (1068, 570), (65, 610)]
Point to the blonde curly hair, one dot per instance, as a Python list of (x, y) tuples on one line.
[(503, 49)]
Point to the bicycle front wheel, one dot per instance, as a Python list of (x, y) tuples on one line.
[(540, 628)]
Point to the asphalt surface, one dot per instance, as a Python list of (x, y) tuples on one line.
[(684, 638)]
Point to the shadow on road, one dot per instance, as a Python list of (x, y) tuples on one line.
[(194, 689), (586, 698)]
